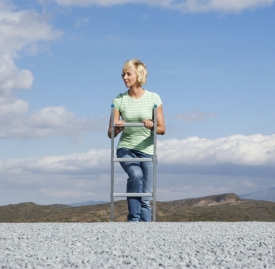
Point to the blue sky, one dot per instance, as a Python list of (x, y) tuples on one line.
[(212, 63)]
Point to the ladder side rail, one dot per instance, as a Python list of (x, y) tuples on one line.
[(155, 163), (112, 162)]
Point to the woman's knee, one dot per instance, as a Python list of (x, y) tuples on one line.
[(145, 203), (135, 179), (134, 171)]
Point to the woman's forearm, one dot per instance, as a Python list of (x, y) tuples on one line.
[(161, 130)]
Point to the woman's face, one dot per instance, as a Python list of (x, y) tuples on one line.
[(130, 78)]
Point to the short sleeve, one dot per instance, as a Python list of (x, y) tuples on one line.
[(117, 101), (157, 100)]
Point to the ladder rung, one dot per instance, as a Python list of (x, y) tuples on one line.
[(133, 124), (133, 194), (133, 159)]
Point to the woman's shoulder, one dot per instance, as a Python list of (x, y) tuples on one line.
[(149, 93), (121, 95), (152, 94), (153, 97)]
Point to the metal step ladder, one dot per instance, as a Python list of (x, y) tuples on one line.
[(114, 159)]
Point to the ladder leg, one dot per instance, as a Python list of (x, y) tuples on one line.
[(155, 163), (112, 217)]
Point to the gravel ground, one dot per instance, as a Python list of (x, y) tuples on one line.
[(138, 245)]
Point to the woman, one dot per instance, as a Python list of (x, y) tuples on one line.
[(136, 105)]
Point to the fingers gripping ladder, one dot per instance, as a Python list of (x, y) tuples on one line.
[(114, 159)]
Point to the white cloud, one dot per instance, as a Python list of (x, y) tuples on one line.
[(62, 179), (76, 165), (10, 107), (20, 29), (25, 30), (86, 176), (49, 121), (182, 5), (234, 5), (237, 149), (12, 78), (254, 150), (189, 167), (56, 120)]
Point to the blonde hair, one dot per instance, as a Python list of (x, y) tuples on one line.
[(140, 67)]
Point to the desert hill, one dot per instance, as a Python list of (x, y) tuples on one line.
[(223, 207)]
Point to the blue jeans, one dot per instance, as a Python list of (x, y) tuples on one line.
[(140, 179)]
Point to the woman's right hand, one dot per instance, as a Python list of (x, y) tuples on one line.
[(119, 126)]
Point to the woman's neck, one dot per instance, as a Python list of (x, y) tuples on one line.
[(136, 92)]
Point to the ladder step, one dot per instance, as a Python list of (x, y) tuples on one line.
[(133, 194), (133, 124), (133, 159)]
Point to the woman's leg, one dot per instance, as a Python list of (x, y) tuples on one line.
[(134, 182)]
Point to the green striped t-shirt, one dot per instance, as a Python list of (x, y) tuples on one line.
[(136, 110)]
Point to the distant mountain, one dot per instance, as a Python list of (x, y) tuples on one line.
[(212, 200), (265, 195), (88, 203)]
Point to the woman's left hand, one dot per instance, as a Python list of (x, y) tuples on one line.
[(149, 124)]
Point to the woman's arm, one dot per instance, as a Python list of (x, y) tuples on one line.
[(160, 122), (118, 123)]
